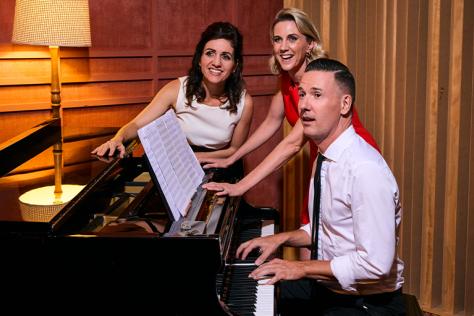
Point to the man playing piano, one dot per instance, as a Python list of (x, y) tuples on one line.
[(354, 268)]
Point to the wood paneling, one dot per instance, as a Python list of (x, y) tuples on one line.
[(271, 187), (137, 47), (413, 63), (121, 24)]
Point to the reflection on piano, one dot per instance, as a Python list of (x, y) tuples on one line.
[(95, 251)]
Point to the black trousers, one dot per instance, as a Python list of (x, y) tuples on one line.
[(306, 297)]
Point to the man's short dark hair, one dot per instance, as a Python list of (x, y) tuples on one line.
[(342, 74)]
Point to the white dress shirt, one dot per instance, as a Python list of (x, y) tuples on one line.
[(204, 125), (360, 215)]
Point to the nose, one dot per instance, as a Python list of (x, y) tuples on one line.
[(216, 61), (283, 46), (302, 106)]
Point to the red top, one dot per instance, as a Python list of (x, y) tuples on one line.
[(289, 91)]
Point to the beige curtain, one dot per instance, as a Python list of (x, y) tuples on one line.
[(413, 62)]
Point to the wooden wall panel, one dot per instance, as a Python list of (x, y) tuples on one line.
[(25, 71), (256, 65), (38, 71), (413, 62), (171, 67), (272, 186), (137, 47), (466, 183), (181, 22), (14, 123), (121, 24), (102, 116), (259, 42)]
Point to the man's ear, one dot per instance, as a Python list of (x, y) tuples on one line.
[(346, 103)]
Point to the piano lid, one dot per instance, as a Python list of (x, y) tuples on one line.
[(19, 216), (26, 163)]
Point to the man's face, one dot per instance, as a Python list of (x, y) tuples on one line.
[(321, 104)]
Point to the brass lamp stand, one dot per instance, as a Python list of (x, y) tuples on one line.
[(52, 23), (56, 113)]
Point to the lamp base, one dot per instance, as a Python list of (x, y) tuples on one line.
[(41, 204)]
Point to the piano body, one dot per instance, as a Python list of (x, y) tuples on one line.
[(115, 245)]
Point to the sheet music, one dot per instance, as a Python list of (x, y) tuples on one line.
[(176, 167)]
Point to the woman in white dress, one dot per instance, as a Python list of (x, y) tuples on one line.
[(211, 103)]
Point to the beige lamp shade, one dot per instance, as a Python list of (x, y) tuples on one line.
[(52, 23)]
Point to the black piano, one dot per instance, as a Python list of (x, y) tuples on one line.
[(114, 247)]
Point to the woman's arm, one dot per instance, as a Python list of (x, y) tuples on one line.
[(283, 152), (267, 129), (239, 135), (163, 100)]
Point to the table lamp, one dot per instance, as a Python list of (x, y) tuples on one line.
[(52, 23)]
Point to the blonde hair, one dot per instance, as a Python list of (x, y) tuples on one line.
[(306, 27)]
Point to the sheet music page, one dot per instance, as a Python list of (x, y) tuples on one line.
[(176, 167)]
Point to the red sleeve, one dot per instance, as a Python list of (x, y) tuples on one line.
[(361, 131)]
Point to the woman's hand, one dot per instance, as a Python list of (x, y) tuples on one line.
[(110, 146), (223, 188), (215, 162)]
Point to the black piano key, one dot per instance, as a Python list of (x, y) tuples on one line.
[(240, 295), (239, 292)]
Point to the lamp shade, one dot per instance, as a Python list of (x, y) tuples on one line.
[(52, 23)]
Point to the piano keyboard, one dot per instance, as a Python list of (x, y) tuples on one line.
[(241, 294)]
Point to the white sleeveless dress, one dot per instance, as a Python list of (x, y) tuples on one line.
[(207, 126)]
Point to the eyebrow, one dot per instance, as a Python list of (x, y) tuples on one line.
[(311, 90), (292, 34)]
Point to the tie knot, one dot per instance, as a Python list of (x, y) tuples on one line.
[(320, 159), (319, 163)]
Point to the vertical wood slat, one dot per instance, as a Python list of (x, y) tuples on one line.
[(381, 78), (452, 154), (293, 184), (412, 124), (324, 18), (343, 18), (371, 65), (387, 142), (469, 294), (431, 135)]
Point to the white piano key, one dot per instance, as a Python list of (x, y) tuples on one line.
[(265, 293), (265, 299), (268, 228)]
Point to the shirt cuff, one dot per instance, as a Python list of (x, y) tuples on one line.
[(340, 267)]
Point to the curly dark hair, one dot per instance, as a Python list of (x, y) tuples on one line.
[(234, 85)]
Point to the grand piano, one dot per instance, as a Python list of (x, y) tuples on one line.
[(114, 247)]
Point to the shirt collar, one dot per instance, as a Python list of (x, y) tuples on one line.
[(336, 149)]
